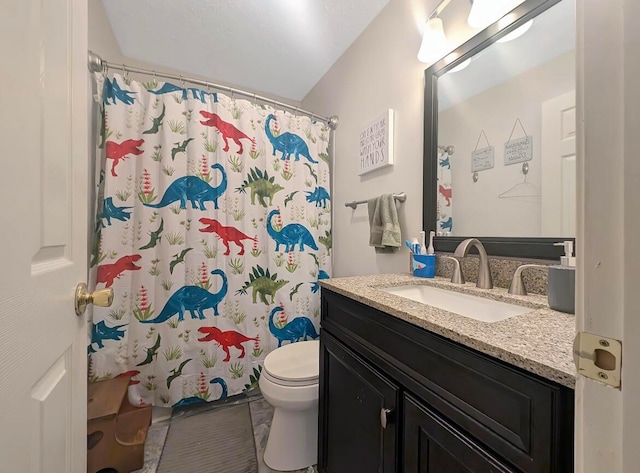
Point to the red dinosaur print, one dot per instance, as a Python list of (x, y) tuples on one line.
[(229, 338), (227, 130), (130, 374), (226, 234), (446, 193), (118, 151), (108, 272)]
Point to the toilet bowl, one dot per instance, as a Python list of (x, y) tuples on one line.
[(289, 382)]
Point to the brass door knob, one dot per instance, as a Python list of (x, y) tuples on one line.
[(102, 298)]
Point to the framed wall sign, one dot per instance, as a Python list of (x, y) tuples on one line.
[(376, 144)]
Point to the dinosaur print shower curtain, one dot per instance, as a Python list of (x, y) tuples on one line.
[(213, 228), (445, 190)]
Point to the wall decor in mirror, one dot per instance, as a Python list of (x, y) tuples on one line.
[(500, 127)]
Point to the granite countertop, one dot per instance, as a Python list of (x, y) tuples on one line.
[(540, 341)]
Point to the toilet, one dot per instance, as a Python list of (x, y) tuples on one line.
[(289, 382)]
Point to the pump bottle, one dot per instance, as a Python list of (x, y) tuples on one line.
[(561, 290)]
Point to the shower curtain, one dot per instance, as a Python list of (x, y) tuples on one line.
[(213, 228), (445, 195)]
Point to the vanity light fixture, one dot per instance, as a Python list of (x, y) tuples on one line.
[(485, 12), (434, 42)]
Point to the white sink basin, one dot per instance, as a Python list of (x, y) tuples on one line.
[(474, 307)]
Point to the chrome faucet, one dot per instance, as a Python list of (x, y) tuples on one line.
[(485, 281), (456, 277), (517, 283)]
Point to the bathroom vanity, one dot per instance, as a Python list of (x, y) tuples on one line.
[(405, 387)]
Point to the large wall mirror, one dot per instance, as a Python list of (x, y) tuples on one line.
[(500, 124)]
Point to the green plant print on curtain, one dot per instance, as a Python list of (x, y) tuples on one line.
[(213, 228)]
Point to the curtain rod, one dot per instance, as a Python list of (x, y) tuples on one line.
[(97, 64)]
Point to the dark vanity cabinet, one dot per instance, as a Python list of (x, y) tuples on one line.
[(397, 398)]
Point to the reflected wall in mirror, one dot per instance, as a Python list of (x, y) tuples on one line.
[(505, 109)]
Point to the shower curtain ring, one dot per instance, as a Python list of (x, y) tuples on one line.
[(181, 82)]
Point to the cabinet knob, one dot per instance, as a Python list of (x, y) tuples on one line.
[(386, 415)]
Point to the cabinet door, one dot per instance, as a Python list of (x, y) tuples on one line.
[(355, 403), (433, 445)]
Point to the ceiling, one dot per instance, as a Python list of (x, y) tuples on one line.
[(278, 47)]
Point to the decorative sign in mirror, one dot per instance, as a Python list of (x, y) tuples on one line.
[(500, 141)]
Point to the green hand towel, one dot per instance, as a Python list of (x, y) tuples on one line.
[(383, 224)]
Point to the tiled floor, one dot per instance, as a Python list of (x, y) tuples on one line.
[(261, 415)]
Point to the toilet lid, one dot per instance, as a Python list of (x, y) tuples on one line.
[(294, 362)]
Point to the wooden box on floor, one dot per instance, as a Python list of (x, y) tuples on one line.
[(116, 430)]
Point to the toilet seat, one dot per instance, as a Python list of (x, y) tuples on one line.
[(296, 364)]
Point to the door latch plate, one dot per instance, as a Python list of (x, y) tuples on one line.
[(598, 358)]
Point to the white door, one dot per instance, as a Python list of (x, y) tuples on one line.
[(608, 299), (43, 228), (558, 153)]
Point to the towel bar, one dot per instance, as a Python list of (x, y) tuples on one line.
[(401, 197)]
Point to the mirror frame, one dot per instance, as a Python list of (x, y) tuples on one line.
[(520, 247)]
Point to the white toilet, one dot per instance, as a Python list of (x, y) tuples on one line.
[(289, 382)]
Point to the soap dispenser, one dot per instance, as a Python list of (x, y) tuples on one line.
[(561, 290)]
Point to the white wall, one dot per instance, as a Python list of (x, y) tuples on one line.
[(477, 210), (379, 71)]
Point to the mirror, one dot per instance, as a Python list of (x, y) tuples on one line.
[(500, 135)]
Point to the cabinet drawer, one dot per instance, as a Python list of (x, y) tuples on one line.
[(521, 417)]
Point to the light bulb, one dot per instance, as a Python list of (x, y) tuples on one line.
[(434, 42), (485, 12)]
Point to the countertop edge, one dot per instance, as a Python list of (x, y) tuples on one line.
[(545, 370)]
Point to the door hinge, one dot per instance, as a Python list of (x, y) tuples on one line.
[(598, 358)]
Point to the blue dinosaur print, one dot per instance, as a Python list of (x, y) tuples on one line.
[(322, 274), (445, 163), (447, 224), (189, 401), (287, 143), (112, 91), (100, 332), (300, 328), (291, 235), (109, 211), (195, 190), (223, 385), (193, 299), (199, 94), (319, 195)]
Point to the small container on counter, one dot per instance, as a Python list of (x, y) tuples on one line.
[(561, 290), (423, 266)]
